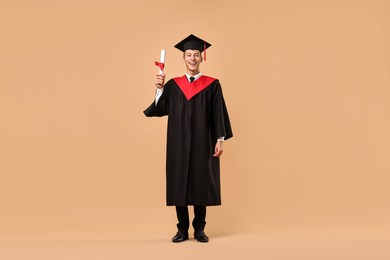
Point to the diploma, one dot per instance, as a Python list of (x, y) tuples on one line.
[(162, 62)]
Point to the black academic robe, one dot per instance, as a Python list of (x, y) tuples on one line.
[(197, 117)]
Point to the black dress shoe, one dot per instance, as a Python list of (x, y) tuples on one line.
[(201, 236), (180, 236)]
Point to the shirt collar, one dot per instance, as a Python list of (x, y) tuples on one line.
[(196, 76)]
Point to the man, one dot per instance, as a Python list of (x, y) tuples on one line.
[(198, 124)]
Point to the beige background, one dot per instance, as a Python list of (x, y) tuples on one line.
[(307, 85)]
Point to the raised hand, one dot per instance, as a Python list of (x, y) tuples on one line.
[(160, 79)]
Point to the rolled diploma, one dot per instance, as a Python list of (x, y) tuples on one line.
[(162, 60)]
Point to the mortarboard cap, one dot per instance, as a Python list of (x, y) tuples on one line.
[(193, 43)]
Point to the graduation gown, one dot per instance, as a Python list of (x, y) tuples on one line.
[(197, 117)]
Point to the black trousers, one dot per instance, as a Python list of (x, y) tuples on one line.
[(199, 221)]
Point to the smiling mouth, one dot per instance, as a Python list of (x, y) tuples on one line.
[(193, 63)]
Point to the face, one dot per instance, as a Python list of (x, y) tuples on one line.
[(192, 59)]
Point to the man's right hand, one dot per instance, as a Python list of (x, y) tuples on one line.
[(160, 79)]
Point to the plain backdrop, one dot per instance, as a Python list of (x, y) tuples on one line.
[(307, 85)]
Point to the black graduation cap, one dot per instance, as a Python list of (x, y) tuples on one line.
[(193, 43)]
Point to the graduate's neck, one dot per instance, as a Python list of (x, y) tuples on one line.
[(193, 72)]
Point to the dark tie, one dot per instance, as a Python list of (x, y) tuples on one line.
[(192, 79)]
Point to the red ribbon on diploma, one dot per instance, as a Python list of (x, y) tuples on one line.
[(160, 65)]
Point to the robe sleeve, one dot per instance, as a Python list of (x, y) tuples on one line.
[(162, 106), (221, 119)]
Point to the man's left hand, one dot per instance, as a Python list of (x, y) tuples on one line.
[(218, 149)]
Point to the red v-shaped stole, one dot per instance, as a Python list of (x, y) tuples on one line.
[(190, 89)]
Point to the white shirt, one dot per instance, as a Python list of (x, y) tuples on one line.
[(197, 76), (159, 92)]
